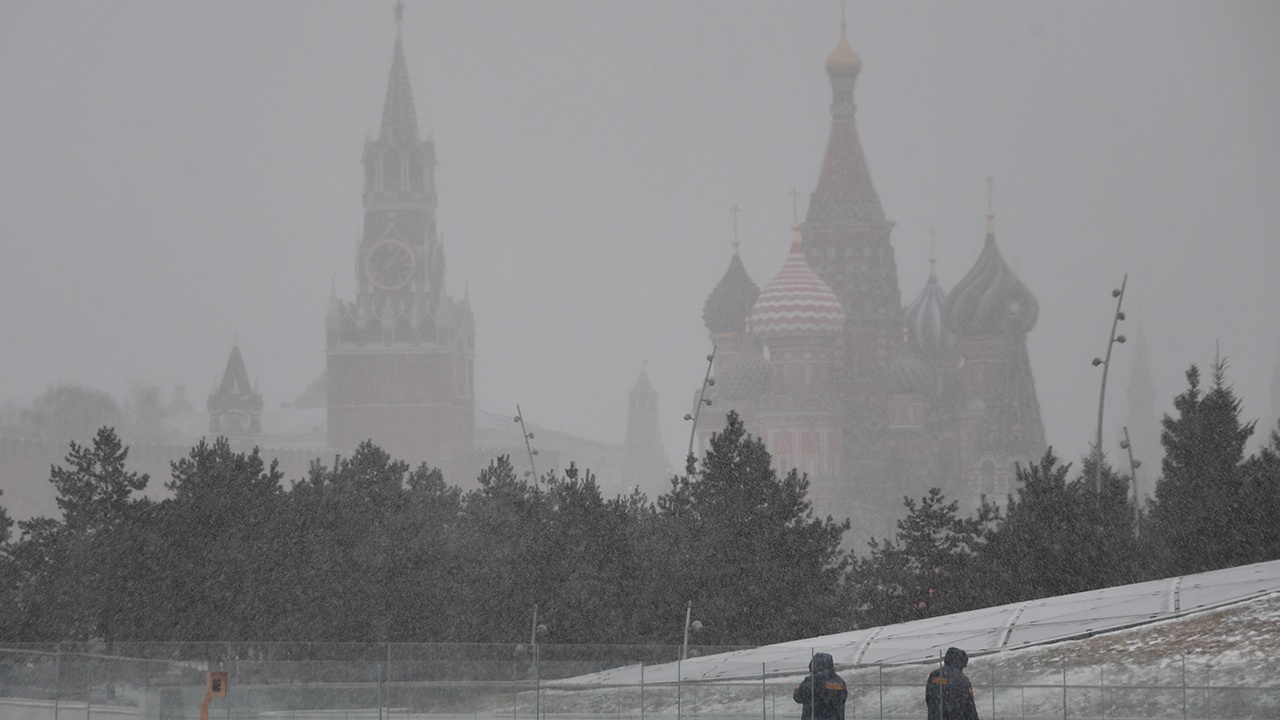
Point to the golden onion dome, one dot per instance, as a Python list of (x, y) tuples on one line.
[(843, 60)]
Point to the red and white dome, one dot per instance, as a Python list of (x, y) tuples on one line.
[(796, 302)]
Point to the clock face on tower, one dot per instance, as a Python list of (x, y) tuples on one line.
[(389, 264)]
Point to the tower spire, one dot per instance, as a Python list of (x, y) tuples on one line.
[(736, 211), (399, 118), (991, 212), (933, 252), (795, 220), (845, 194)]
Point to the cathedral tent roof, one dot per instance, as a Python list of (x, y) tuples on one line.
[(845, 194), (729, 304), (796, 302), (991, 300)]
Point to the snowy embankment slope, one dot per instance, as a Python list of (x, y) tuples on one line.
[(1203, 641), (987, 631)]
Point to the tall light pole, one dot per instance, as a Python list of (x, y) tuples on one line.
[(1112, 339), (529, 448), (707, 381)]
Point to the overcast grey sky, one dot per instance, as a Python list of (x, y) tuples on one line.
[(174, 172)]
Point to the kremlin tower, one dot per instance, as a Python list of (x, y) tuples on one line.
[(235, 406), (400, 357)]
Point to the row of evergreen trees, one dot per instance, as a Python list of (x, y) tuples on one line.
[(369, 549), (1061, 533)]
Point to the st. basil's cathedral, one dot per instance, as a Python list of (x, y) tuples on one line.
[(874, 401)]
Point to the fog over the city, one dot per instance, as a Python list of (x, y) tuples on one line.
[(173, 174)]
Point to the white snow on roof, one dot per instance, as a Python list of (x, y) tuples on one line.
[(979, 632)]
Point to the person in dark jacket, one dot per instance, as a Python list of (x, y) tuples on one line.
[(822, 690), (948, 694)]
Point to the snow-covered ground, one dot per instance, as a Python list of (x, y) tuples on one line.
[(1197, 647)]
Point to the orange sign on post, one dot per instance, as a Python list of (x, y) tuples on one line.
[(215, 686)]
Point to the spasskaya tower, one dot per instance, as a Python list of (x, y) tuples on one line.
[(399, 359)]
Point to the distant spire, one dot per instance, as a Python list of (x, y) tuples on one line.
[(795, 220), (399, 118), (933, 252), (991, 212), (1275, 390), (1142, 389), (735, 210)]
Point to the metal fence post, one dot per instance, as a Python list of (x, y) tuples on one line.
[(229, 668), (1064, 687), (993, 691), (1184, 687), (1208, 692), (880, 685), (57, 678), (764, 693), (641, 690), (679, 688)]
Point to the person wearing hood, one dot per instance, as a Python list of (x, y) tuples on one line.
[(822, 692), (948, 694)]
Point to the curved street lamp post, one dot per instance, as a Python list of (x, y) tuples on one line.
[(707, 381), (1118, 293)]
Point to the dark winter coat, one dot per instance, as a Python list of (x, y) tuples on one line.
[(824, 689), (948, 693)]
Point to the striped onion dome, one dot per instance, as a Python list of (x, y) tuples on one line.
[(729, 304), (991, 300), (926, 332), (908, 374), (796, 302)]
